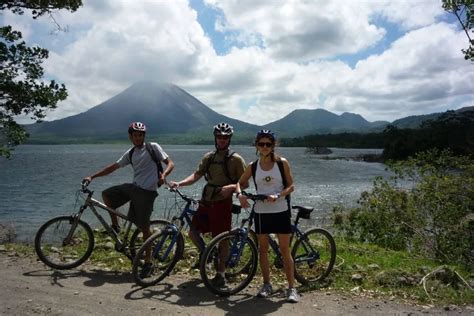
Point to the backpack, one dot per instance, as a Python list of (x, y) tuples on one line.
[(279, 162), (224, 164), (159, 166)]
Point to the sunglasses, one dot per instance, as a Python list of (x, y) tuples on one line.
[(262, 144)]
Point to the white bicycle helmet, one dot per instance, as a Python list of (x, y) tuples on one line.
[(137, 127), (223, 129)]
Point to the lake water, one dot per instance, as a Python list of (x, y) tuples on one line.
[(41, 181)]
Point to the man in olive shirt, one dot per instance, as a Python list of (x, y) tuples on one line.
[(222, 170)]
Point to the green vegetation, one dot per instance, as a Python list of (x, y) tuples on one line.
[(433, 217), (429, 217), (451, 130), (21, 90)]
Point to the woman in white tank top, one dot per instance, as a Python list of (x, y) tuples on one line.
[(273, 178)]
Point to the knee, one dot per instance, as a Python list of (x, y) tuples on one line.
[(105, 198)]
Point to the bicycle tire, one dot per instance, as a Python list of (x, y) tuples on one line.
[(313, 266), (50, 247), (161, 268), (243, 259), (136, 241)]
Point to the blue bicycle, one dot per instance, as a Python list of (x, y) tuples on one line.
[(167, 245), (313, 251)]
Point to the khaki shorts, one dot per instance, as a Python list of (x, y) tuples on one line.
[(141, 202)]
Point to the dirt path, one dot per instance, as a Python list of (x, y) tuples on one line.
[(28, 287)]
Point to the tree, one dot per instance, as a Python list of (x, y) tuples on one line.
[(464, 12), (21, 89)]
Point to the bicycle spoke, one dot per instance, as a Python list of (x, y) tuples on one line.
[(240, 257), (314, 256), (60, 247)]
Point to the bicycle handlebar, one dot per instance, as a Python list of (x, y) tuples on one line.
[(183, 196), (255, 197), (84, 185)]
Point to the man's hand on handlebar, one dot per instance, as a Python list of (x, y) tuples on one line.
[(173, 185), (86, 181)]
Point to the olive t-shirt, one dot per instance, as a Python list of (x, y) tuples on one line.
[(216, 177)]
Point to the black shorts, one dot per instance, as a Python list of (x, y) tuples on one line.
[(141, 202), (273, 223)]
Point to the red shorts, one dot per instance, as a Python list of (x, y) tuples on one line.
[(214, 217)]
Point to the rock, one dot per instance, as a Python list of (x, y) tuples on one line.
[(109, 245), (373, 266), (7, 233), (357, 278), (318, 150)]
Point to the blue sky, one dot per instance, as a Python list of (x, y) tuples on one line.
[(259, 60)]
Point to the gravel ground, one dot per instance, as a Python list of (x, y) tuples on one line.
[(28, 287)]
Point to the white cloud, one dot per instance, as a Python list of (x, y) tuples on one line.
[(112, 44), (412, 14), (302, 30)]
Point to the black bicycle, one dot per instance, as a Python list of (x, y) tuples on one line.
[(66, 242), (313, 252)]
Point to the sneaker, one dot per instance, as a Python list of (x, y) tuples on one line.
[(292, 295), (265, 291), (147, 270), (218, 280)]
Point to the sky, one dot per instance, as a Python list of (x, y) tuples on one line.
[(259, 60)]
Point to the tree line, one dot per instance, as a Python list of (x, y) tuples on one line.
[(451, 130)]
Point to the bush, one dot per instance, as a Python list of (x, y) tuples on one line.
[(427, 208)]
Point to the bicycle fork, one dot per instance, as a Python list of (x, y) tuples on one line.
[(236, 247), (169, 232)]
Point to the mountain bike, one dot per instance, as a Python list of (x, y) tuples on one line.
[(168, 245), (313, 252), (65, 242)]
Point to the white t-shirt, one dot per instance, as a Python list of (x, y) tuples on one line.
[(145, 172), (269, 182)]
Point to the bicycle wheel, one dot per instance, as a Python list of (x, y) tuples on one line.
[(136, 241), (58, 252), (167, 248), (314, 255), (241, 263), (244, 267)]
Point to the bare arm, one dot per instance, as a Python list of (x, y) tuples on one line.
[(192, 178), (169, 167), (107, 170), (243, 184)]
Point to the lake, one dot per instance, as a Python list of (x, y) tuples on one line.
[(41, 181)]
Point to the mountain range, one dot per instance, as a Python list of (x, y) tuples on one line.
[(177, 117)]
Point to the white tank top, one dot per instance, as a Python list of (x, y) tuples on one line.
[(269, 182)]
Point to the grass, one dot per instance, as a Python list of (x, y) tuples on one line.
[(360, 269)]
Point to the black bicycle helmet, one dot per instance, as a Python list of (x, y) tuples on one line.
[(223, 129), (137, 127), (265, 133)]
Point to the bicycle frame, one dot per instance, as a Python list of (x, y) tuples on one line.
[(92, 203), (299, 235), (174, 229), (235, 251)]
